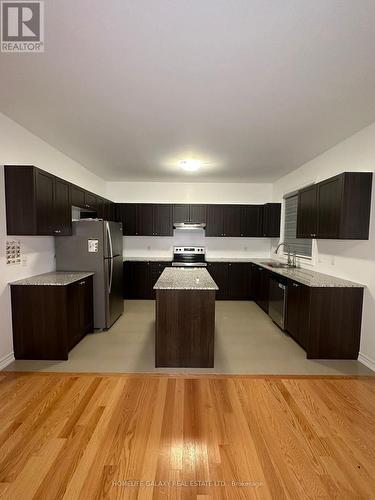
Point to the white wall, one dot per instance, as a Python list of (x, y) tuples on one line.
[(18, 146), (184, 192), (188, 192), (354, 260)]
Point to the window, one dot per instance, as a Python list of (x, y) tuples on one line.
[(301, 246)]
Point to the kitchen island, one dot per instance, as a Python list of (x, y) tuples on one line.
[(185, 318)]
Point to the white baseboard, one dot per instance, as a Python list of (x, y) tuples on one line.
[(6, 360), (370, 363)]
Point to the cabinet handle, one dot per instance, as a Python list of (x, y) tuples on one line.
[(296, 285), (82, 283), (57, 231)]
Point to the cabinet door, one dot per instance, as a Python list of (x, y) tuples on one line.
[(306, 213), (140, 280), (91, 201), (219, 273), (255, 282), (215, 220), (156, 269), (239, 281), (260, 287), (198, 213), (293, 309), (163, 225), (44, 203), (329, 194), (251, 221), (271, 220), (62, 209), (232, 220), (297, 313), (80, 312), (127, 214), (181, 213), (77, 196), (145, 225)]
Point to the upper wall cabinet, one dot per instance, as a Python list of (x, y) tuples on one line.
[(271, 220), (244, 220), (337, 208), (145, 219), (251, 221), (37, 203), (189, 213)]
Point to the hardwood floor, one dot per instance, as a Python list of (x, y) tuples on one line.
[(92, 436)]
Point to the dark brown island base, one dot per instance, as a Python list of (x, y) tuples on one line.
[(185, 318)]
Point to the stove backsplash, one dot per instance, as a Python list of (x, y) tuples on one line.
[(153, 247)]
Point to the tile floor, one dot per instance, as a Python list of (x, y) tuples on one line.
[(247, 342)]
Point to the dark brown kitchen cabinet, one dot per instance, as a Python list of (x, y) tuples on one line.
[(215, 220), (239, 281), (271, 220), (162, 220), (197, 213), (232, 278), (189, 213), (223, 220), (181, 213), (297, 312), (37, 203), (307, 213), (251, 221), (77, 196), (154, 220), (62, 213), (140, 278), (127, 214), (219, 273), (80, 307), (232, 221), (260, 286), (91, 201), (145, 219), (49, 320), (155, 271), (44, 200), (336, 208)]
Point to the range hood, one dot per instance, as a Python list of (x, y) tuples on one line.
[(189, 225)]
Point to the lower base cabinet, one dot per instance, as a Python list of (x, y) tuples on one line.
[(325, 321), (48, 320), (260, 286), (140, 278), (232, 278)]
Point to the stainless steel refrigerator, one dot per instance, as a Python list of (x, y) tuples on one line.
[(96, 246)]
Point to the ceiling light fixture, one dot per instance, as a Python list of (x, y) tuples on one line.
[(190, 165)]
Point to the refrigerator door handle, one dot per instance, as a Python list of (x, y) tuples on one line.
[(110, 277), (109, 236)]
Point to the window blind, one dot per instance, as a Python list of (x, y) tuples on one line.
[(302, 247)]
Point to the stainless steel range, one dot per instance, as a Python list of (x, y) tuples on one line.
[(189, 257)]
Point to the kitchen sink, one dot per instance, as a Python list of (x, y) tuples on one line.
[(277, 265)]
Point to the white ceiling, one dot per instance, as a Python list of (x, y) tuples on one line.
[(253, 88)]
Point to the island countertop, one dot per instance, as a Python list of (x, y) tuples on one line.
[(179, 278), (57, 278)]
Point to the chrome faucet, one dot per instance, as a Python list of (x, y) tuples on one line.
[(292, 256)]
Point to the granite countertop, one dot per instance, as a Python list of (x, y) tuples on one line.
[(148, 259), (179, 278), (307, 277), (57, 278)]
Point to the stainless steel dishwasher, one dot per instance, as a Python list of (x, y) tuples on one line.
[(277, 302)]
